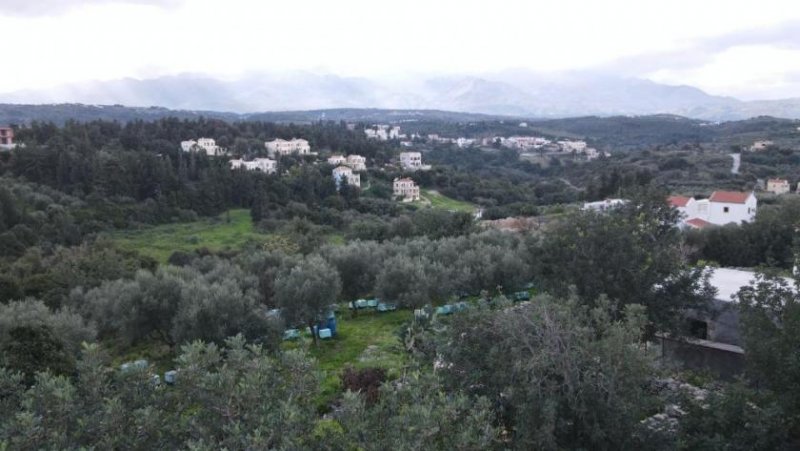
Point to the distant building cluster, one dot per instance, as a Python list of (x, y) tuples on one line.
[(405, 188), (604, 205), (206, 145), (723, 207), (383, 132), (294, 146), (264, 165)]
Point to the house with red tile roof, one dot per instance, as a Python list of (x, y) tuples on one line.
[(723, 207)]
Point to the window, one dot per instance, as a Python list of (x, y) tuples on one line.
[(698, 329), (726, 209)]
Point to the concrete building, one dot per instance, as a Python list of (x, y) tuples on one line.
[(412, 161), (356, 162), (383, 132), (283, 147), (336, 160), (572, 146), (405, 188), (758, 146), (715, 341), (207, 145), (723, 207), (264, 165), (345, 174), (604, 205), (6, 138), (778, 186)]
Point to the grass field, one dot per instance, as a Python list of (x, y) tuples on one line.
[(370, 339), (438, 200), (215, 234)]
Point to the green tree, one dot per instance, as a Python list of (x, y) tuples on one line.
[(305, 292)]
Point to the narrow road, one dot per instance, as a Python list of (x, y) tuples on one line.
[(737, 160)]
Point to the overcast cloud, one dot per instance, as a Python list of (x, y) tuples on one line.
[(748, 49)]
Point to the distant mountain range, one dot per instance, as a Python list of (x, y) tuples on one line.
[(512, 93)]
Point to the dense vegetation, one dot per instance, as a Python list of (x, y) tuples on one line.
[(114, 245)]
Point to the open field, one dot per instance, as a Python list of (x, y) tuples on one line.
[(438, 200), (215, 234)]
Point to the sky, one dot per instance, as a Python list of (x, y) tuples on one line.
[(746, 49)]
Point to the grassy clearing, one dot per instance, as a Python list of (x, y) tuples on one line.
[(440, 201), (368, 340), (216, 234)]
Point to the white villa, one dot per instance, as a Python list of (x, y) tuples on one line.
[(264, 165), (207, 145), (723, 207), (778, 186), (283, 147), (572, 146), (406, 188), (523, 142), (336, 160), (412, 161), (604, 205), (356, 162), (344, 173), (382, 132)]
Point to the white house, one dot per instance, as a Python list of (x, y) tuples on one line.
[(778, 186), (406, 188), (687, 206), (207, 145), (723, 207), (572, 146), (726, 207), (344, 173), (336, 160), (758, 146), (283, 147), (264, 165), (464, 142), (604, 205), (356, 162), (187, 146), (412, 161)]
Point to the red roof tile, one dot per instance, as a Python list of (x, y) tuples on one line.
[(729, 197), (697, 223), (678, 201)]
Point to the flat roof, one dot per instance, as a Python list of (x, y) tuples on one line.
[(728, 281)]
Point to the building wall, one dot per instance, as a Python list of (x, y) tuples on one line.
[(736, 213)]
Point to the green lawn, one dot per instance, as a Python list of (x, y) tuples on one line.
[(438, 200), (215, 234)]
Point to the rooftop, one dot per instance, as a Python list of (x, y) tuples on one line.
[(728, 281), (678, 201), (730, 197)]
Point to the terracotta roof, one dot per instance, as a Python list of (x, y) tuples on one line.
[(697, 223), (678, 201), (729, 197)]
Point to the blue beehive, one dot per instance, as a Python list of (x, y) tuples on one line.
[(325, 333), (522, 296), (291, 334), (361, 303), (170, 377), (386, 307), (330, 322), (372, 303), (460, 306), (444, 309)]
